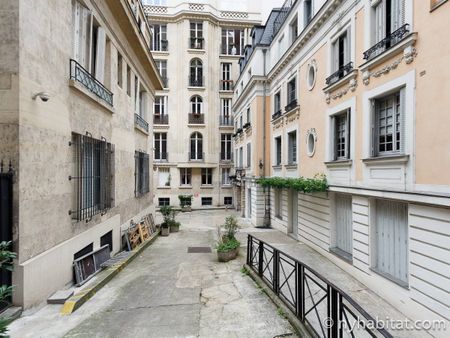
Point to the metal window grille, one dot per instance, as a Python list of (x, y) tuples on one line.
[(93, 176), (142, 182)]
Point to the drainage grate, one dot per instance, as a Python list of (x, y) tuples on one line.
[(199, 249)]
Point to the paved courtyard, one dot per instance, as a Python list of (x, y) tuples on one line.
[(167, 292)]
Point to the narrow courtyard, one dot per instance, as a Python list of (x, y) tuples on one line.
[(168, 292)]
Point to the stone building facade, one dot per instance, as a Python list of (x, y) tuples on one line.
[(77, 83)]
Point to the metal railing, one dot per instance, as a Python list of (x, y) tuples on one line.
[(161, 157), (226, 121), (195, 81), (198, 156), (276, 114), (226, 85), (196, 118), (339, 74), (323, 307), (160, 119), (291, 105), (140, 122), (196, 43), (388, 42), (81, 75), (246, 126), (230, 50)]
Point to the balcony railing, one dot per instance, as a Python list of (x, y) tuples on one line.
[(196, 157), (312, 298), (139, 121), (226, 121), (165, 81), (291, 105), (163, 46), (195, 81), (226, 85), (388, 42), (196, 119), (229, 50), (162, 157), (226, 157), (160, 119), (196, 43), (246, 126), (339, 74), (276, 114), (81, 75)]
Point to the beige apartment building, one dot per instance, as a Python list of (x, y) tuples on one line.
[(196, 47), (358, 91), (77, 82)]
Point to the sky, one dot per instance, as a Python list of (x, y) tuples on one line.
[(267, 6)]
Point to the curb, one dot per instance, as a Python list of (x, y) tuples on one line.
[(75, 302), (299, 327)]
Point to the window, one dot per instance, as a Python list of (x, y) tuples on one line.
[(128, 80), (225, 116), (196, 104), (163, 201), (277, 102), (226, 176), (226, 83), (164, 177), (391, 240), (278, 203), (293, 27), (162, 68), (185, 176), (307, 10), (107, 239), (311, 144), (206, 201), (292, 147), (343, 220), (241, 121), (249, 155), (119, 70), (291, 94), (196, 146), (206, 176), (141, 174), (341, 139), (227, 200), (341, 52), (196, 35), (241, 157), (161, 146), (232, 41), (196, 73), (160, 105), (388, 129), (248, 116), (136, 91), (311, 78), (225, 147), (278, 150), (93, 176), (159, 38)]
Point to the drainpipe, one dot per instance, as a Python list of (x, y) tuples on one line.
[(266, 220)]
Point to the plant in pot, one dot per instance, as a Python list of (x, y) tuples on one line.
[(174, 225), (185, 202), (228, 246), (166, 212)]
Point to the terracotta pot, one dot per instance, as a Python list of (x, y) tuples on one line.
[(225, 256), (165, 231), (174, 228)]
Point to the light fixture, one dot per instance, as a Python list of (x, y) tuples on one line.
[(42, 95), (261, 165)]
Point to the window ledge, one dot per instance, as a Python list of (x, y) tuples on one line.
[(291, 111), (392, 159), (291, 166), (161, 126), (142, 130), (78, 86), (226, 186), (185, 187), (339, 163), (197, 125), (164, 187), (400, 283), (407, 41), (206, 186), (196, 50), (279, 166), (196, 88), (347, 78), (160, 52), (230, 56), (342, 254)]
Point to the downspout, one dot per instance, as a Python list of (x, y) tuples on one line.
[(266, 220)]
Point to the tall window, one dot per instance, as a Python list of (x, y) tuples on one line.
[(196, 35), (249, 155), (196, 73), (196, 104), (225, 147), (119, 70), (161, 146), (278, 203), (278, 150), (249, 120), (241, 157), (128, 80), (159, 37), (141, 174), (341, 50), (341, 128), (232, 41), (226, 82), (226, 176), (163, 177), (225, 116), (185, 176), (292, 93), (292, 147), (389, 124), (196, 146), (162, 68), (92, 179), (307, 10), (277, 103), (160, 105), (206, 176), (293, 27)]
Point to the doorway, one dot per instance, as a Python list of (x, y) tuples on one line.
[(293, 213)]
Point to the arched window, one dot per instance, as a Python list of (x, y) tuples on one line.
[(196, 152), (196, 105), (196, 73)]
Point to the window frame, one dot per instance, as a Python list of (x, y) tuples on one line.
[(292, 148), (206, 176), (141, 174), (160, 146), (186, 177)]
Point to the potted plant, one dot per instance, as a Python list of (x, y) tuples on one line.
[(228, 246), (185, 202), (174, 225), (166, 211)]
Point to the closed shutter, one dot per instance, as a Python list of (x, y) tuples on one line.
[(380, 25), (398, 14), (82, 24), (163, 176), (343, 204), (391, 223), (402, 121), (100, 54), (347, 46), (76, 20), (373, 119), (347, 136), (335, 50), (333, 138)]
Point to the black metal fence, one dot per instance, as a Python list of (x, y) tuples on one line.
[(389, 41), (339, 74), (140, 121), (325, 309)]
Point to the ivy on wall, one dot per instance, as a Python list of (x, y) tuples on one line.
[(316, 184)]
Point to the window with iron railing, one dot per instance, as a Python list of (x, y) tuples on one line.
[(340, 57), (291, 94), (160, 145), (196, 73), (196, 147), (141, 174), (232, 41), (196, 35), (92, 179)]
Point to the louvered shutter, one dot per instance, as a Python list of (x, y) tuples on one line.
[(86, 36), (402, 121), (76, 19), (374, 133), (380, 26), (347, 46), (347, 136), (333, 138), (100, 54), (398, 14)]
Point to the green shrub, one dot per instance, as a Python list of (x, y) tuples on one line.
[(308, 185), (185, 200), (168, 214), (228, 245)]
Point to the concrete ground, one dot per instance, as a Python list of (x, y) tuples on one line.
[(167, 292)]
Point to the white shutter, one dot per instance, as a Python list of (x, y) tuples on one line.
[(347, 46), (347, 136), (402, 121), (379, 27), (344, 228), (373, 120), (397, 14), (86, 36), (335, 51), (163, 176), (100, 54), (76, 20)]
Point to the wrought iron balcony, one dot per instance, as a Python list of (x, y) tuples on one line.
[(226, 85), (226, 121), (339, 74), (161, 157), (160, 47), (246, 126), (81, 75), (140, 122), (198, 156), (388, 42), (196, 43), (291, 105), (196, 118), (276, 114), (160, 119), (196, 81)]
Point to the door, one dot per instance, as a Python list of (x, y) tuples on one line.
[(343, 210), (293, 213), (249, 203), (6, 196)]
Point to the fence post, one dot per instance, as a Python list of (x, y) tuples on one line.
[(333, 320), (276, 275), (261, 257), (300, 290), (249, 250)]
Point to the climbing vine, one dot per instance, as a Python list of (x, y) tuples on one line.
[(316, 184)]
